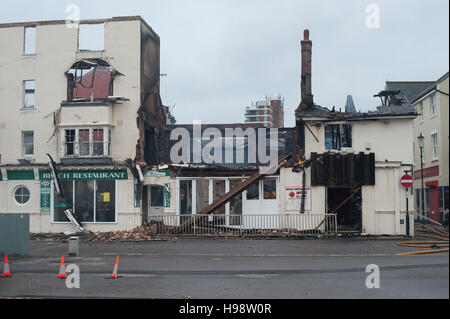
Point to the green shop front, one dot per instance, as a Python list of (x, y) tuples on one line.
[(93, 194)]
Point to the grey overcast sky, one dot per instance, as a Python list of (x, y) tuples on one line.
[(221, 55)]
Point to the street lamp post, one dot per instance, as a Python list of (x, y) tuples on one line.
[(420, 138)]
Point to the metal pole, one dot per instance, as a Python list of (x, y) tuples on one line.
[(407, 214), (423, 189)]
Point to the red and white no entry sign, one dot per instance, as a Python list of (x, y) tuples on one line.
[(406, 181)]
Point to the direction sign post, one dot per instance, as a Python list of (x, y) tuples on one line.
[(407, 181)]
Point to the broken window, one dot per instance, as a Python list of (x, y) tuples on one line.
[(91, 37), (202, 192), (185, 199), (235, 205), (253, 191), (91, 200), (338, 136), (30, 40), (84, 200), (69, 142), (89, 80), (83, 139), (97, 141), (29, 92), (87, 142), (157, 195), (218, 192), (270, 188)]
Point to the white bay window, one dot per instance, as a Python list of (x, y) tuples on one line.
[(86, 142)]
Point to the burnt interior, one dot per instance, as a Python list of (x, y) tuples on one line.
[(349, 214)]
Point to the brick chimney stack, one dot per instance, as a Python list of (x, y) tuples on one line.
[(306, 98), (305, 86)]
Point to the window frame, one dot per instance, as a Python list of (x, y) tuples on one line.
[(422, 117), (106, 150), (434, 147), (23, 144), (54, 194), (433, 105), (14, 195), (32, 92), (340, 129), (33, 42)]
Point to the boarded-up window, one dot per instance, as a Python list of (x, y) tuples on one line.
[(30, 40)]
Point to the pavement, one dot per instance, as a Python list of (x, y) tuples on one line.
[(230, 269)]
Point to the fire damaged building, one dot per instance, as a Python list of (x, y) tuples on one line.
[(88, 96), (117, 160), (345, 165)]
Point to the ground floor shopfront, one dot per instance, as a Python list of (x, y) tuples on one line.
[(378, 209), (432, 200), (101, 197), (109, 198)]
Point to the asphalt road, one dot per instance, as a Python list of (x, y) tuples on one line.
[(218, 269)]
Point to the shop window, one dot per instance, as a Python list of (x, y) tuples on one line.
[(338, 136), (157, 195), (202, 192), (185, 198), (91, 200), (105, 204), (28, 143), (59, 205), (84, 200), (235, 205), (218, 192), (253, 191), (270, 188), (21, 195)]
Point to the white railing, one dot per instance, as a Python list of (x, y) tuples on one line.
[(243, 225)]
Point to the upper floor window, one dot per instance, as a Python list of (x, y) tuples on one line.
[(29, 93), (28, 143), (434, 145), (338, 136), (433, 105), (30, 40), (87, 142), (420, 110), (91, 37)]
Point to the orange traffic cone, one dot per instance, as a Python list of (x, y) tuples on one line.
[(6, 272), (116, 266), (62, 269)]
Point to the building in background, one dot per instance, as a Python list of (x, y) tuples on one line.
[(268, 113), (433, 106), (430, 99)]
